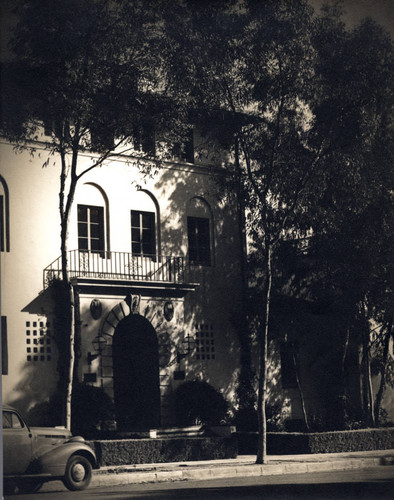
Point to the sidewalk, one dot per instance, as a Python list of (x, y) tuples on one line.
[(242, 466)]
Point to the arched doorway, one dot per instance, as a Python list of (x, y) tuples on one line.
[(136, 374)]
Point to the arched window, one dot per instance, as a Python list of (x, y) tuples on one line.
[(199, 232), (92, 219), (4, 216)]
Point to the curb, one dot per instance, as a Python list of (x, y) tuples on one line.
[(102, 478)]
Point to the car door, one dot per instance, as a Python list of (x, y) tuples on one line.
[(17, 444)]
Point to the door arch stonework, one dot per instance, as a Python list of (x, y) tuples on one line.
[(166, 346)]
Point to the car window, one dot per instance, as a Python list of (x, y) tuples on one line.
[(16, 422), (11, 420), (7, 420)]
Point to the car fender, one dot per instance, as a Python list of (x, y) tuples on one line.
[(54, 462)]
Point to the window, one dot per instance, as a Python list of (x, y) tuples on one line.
[(91, 228), (144, 139), (4, 216), (288, 368), (143, 241), (11, 420), (198, 232), (58, 128), (2, 223), (101, 139), (4, 346), (7, 420), (185, 151)]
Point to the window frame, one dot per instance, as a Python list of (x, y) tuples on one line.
[(199, 240), (145, 139), (4, 216), (4, 346), (89, 238), (2, 223), (184, 151), (141, 228), (288, 367), (101, 140)]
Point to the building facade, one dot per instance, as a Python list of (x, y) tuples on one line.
[(155, 266), (155, 263)]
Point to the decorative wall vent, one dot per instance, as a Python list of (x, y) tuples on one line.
[(205, 342), (38, 341)]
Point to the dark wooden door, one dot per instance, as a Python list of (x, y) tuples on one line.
[(136, 374)]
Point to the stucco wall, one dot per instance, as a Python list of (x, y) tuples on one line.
[(118, 186)]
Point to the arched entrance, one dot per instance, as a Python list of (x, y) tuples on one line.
[(136, 374)]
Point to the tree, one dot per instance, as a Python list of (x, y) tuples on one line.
[(283, 90), (353, 216), (92, 74), (257, 92)]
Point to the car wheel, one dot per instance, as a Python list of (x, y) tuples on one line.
[(78, 473), (29, 485)]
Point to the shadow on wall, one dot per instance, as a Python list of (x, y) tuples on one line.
[(219, 284), (33, 400), (39, 374)]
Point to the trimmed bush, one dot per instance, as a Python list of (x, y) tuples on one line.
[(357, 440), (197, 402), (143, 451), (290, 443), (90, 407)]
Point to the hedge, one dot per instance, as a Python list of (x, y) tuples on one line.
[(142, 451), (290, 443)]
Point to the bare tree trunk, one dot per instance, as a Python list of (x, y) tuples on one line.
[(70, 304), (300, 391), (343, 390), (72, 360), (368, 378), (64, 250), (246, 392), (382, 385), (262, 390), (65, 204)]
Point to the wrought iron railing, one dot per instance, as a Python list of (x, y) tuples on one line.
[(118, 266)]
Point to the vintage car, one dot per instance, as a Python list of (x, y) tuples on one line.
[(34, 455)]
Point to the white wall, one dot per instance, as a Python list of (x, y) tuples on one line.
[(35, 243)]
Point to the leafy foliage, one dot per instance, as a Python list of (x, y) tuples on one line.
[(198, 402), (91, 408), (306, 106), (87, 66)]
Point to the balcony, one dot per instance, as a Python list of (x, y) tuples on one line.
[(118, 266)]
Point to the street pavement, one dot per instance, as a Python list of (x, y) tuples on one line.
[(360, 484), (243, 466)]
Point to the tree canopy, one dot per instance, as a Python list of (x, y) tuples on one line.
[(91, 71)]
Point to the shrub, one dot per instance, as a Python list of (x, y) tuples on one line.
[(142, 451), (289, 443), (245, 419), (198, 402), (90, 406), (274, 416)]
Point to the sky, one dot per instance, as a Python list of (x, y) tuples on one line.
[(381, 11)]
